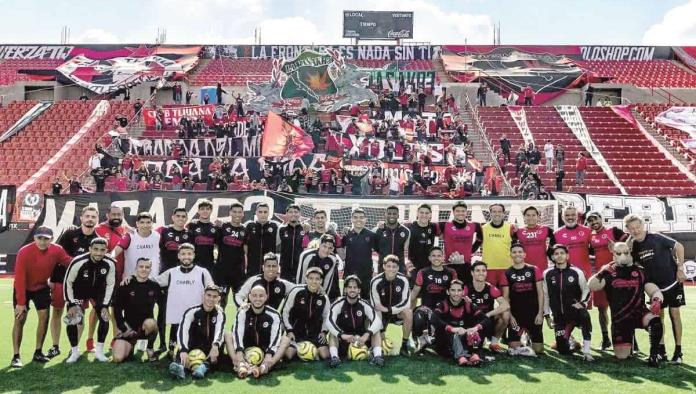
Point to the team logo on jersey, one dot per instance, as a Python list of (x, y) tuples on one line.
[(402, 234), (213, 320), (430, 231), (358, 313), (229, 230), (198, 230), (302, 232), (212, 230), (302, 301), (265, 324), (571, 279), (367, 239), (465, 228), (513, 277), (445, 277), (184, 236), (277, 290), (528, 274), (132, 294), (485, 297), (319, 302), (581, 233), (398, 288), (270, 229), (604, 236), (103, 271), (326, 267), (85, 274), (634, 274), (423, 235), (169, 234)]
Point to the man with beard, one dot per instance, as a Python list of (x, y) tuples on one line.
[(359, 243), (535, 239), (461, 239), (576, 238), (256, 325), (523, 290), (663, 260), (262, 236), (204, 233), (142, 243), (290, 240), (353, 321), (276, 288), (393, 238), (625, 285), (423, 233), (90, 278), (602, 241), (566, 296), (320, 228), (324, 258), (75, 241), (229, 271)]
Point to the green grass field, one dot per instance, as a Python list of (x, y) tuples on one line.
[(425, 373)]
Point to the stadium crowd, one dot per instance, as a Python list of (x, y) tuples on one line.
[(284, 281)]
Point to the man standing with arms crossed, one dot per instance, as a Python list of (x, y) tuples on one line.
[(290, 240), (393, 238), (262, 236), (359, 243)]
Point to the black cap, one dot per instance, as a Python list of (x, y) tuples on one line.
[(43, 231)]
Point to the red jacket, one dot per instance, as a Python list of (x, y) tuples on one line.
[(33, 268), (581, 164)]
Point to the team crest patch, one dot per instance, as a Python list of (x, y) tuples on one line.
[(398, 288), (528, 274), (277, 290), (326, 266), (103, 271), (265, 324), (571, 279), (358, 313), (319, 302), (213, 320)]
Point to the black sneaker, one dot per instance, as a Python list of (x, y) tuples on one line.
[(16, 363), (655, 361), (377, 361), (41, 358), (606, 343), (677, 358), (334, 362), (405, 351), (161, 350), (53, 352)]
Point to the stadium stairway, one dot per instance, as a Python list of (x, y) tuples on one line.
[(642, 168), (10, 114), (669, 137), (651, 73)]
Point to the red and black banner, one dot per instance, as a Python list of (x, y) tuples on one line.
[(170, 116)]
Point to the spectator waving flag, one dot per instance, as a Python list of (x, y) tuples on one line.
[(283, 139)]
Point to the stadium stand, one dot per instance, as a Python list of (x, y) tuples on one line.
[(652, 73), (675, 136), (13, 112), (10, 69)]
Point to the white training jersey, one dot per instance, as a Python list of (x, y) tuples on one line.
[(186, 288), (137, 247)]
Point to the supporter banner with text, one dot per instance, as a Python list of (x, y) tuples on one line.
[(349, 52), (170, 115), (241, 145), (7, 201)]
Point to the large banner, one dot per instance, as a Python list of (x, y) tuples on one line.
[(170, 115), (7, 201), (349, 52), (680, 118), (241, 145), (378, 25)]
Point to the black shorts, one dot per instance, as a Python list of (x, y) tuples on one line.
[(231, 277), (674, 296), (314, 339), (343, 346), (623, 332), (390, 318), (41, 298), (535, 332)]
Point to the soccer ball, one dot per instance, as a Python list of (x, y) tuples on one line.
[(387, 345), (253, 355), (306, 351), (196, 358), (357, 352)]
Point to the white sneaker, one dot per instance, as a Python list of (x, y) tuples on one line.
[(525, 351), (100, 357), (141, 345), (74, 356), (588, 357)]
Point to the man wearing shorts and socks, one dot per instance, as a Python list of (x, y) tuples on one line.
[(498, 236), (431, 284), (204, 233), (33, 267), (566, 295), (391, 296), (352, 320), (202, 327), (483, 298), (663, 261), (535, 239), (461, 239), (305, 312), (75, 241), (523, 289), (134, 306), (276, 287), (229, 271), (625, 285), (323, 258), (256, 325), (90, 278)]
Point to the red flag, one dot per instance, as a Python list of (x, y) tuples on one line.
[(283, 139)]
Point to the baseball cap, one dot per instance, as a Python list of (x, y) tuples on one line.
[(43, 231), (594, 214)]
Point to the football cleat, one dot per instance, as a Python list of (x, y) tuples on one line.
[(334, 362), (177, 370), (53, 352), (16, 362)]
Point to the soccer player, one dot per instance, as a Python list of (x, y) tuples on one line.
[(171, 237), (625, 285), (423, 233), (458, 332), (75, 241), (257, 325), (391, 295), (324, 258), (229, 270), (202, 327), (523, 290), (352, 320), (33, 267), (290, 240), (262, 235), (535, 239), (566, 295), (359, 243), (663, 260), (576, 238), (142, 243), (276, 287), (461, 239), (185, 286), (393, 238), (497, 239), (204, 233), (304, 313), (320, 228), (602, 241), (90, 278), (483, 298), (134, 306)]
